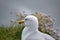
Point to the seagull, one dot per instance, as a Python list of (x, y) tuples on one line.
[(31, 32)]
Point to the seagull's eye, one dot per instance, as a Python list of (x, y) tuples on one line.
[(26, 19)]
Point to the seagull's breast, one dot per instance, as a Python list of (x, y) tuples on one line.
[(27, 35), (35, 36)]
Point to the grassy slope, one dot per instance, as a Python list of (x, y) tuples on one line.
[(10, 33)]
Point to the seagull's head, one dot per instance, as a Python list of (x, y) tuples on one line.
[(30, 21)]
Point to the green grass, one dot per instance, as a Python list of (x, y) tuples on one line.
[(11, 32)]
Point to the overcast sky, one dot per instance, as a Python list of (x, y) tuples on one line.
[(50, 7)]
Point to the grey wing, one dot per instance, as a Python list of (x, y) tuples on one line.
[(48, 37)]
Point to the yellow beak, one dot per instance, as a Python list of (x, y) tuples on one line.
[(21, 21)]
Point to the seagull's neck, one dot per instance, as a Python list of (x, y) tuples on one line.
[(33, 29), (30, 29)]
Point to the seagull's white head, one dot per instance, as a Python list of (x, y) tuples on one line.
[(30, 21)]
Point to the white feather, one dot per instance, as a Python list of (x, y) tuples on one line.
[(31, 32)]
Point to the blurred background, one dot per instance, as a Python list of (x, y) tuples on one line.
[(12, 10), (8, 9)]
